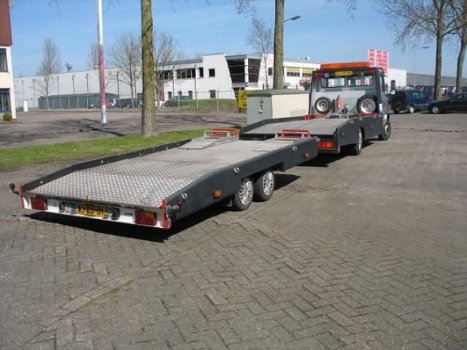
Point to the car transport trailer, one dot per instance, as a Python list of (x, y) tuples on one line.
[(157, 186)]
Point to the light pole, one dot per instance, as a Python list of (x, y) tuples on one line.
[(423, 48), (34, 91), (196, 91), (58, 89), (73, 80), (87, 90), (118, 89)]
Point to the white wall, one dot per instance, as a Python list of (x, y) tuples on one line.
[(6, 81), (399, 75)]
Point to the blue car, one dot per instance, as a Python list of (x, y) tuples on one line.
[(409, 101)]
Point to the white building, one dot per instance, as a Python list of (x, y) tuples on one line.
[(7, 93), (210, 76)]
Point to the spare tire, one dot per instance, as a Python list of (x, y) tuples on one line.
[(323, 105), (367, 104)]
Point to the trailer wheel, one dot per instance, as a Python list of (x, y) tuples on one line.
[(386, 132), (244, 196), (323, 105), (264, 186), (356, 148)]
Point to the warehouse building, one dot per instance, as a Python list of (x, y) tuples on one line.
[(212, 76)]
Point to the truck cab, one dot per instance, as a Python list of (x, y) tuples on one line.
[(343, 90)]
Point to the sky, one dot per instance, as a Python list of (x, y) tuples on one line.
[(326, 32)]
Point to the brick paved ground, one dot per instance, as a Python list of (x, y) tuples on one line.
[(363, 252)]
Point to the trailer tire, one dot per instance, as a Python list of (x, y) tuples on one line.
[(356, 148), (264, 186), (244, 196), (323, 105)]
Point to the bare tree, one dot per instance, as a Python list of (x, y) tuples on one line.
[(166, 55), (50, 65), (125, 55), (413, 20), (93, 56), (459, 10), (260, 39)]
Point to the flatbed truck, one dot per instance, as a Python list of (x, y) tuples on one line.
[(158, 186), (347, 107)]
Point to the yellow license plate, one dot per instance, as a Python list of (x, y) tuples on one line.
[(344, 73), (90, 210)]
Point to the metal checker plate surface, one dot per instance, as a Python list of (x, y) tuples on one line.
[(315, 126), (146, 181)]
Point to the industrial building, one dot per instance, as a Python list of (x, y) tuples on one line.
[(208, 77)]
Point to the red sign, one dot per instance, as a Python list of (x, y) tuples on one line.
[(379, 58)]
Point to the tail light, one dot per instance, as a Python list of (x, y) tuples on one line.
[(326, 144), (38, 203), (143, 217)]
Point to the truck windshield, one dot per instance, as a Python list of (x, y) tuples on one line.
[(352, 79)]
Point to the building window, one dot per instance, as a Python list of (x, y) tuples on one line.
[(4, 100), (3, 61), (180, 93), (293, 74), (165, 75), (270, 71), (201, 72), (169, 95), (212, 93), (212, 72), (186, 73), (190, 94)]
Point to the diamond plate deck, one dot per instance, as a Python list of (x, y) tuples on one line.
[(316, 126), (145, 181)]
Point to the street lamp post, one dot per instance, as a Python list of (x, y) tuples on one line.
[(87, 90), (196, 91), (413, 78), (118, 90), (58, 89), (73, 80), (34, 91)]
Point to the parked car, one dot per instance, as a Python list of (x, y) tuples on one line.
[(457, 103), (176, 101), (409, 100)]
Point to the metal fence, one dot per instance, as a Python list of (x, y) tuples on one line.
[(212, 98), (80, 101)]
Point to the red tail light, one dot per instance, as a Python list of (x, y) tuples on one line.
[(39, 203), (147, 218), (326, 144)]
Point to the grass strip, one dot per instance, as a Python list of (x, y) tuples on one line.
[(12, 158)]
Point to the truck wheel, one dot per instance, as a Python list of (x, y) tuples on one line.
[(411, 109), (356, 148), (386, 132), (264, 186), (323, 105), (366, 104), (244, 196)]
